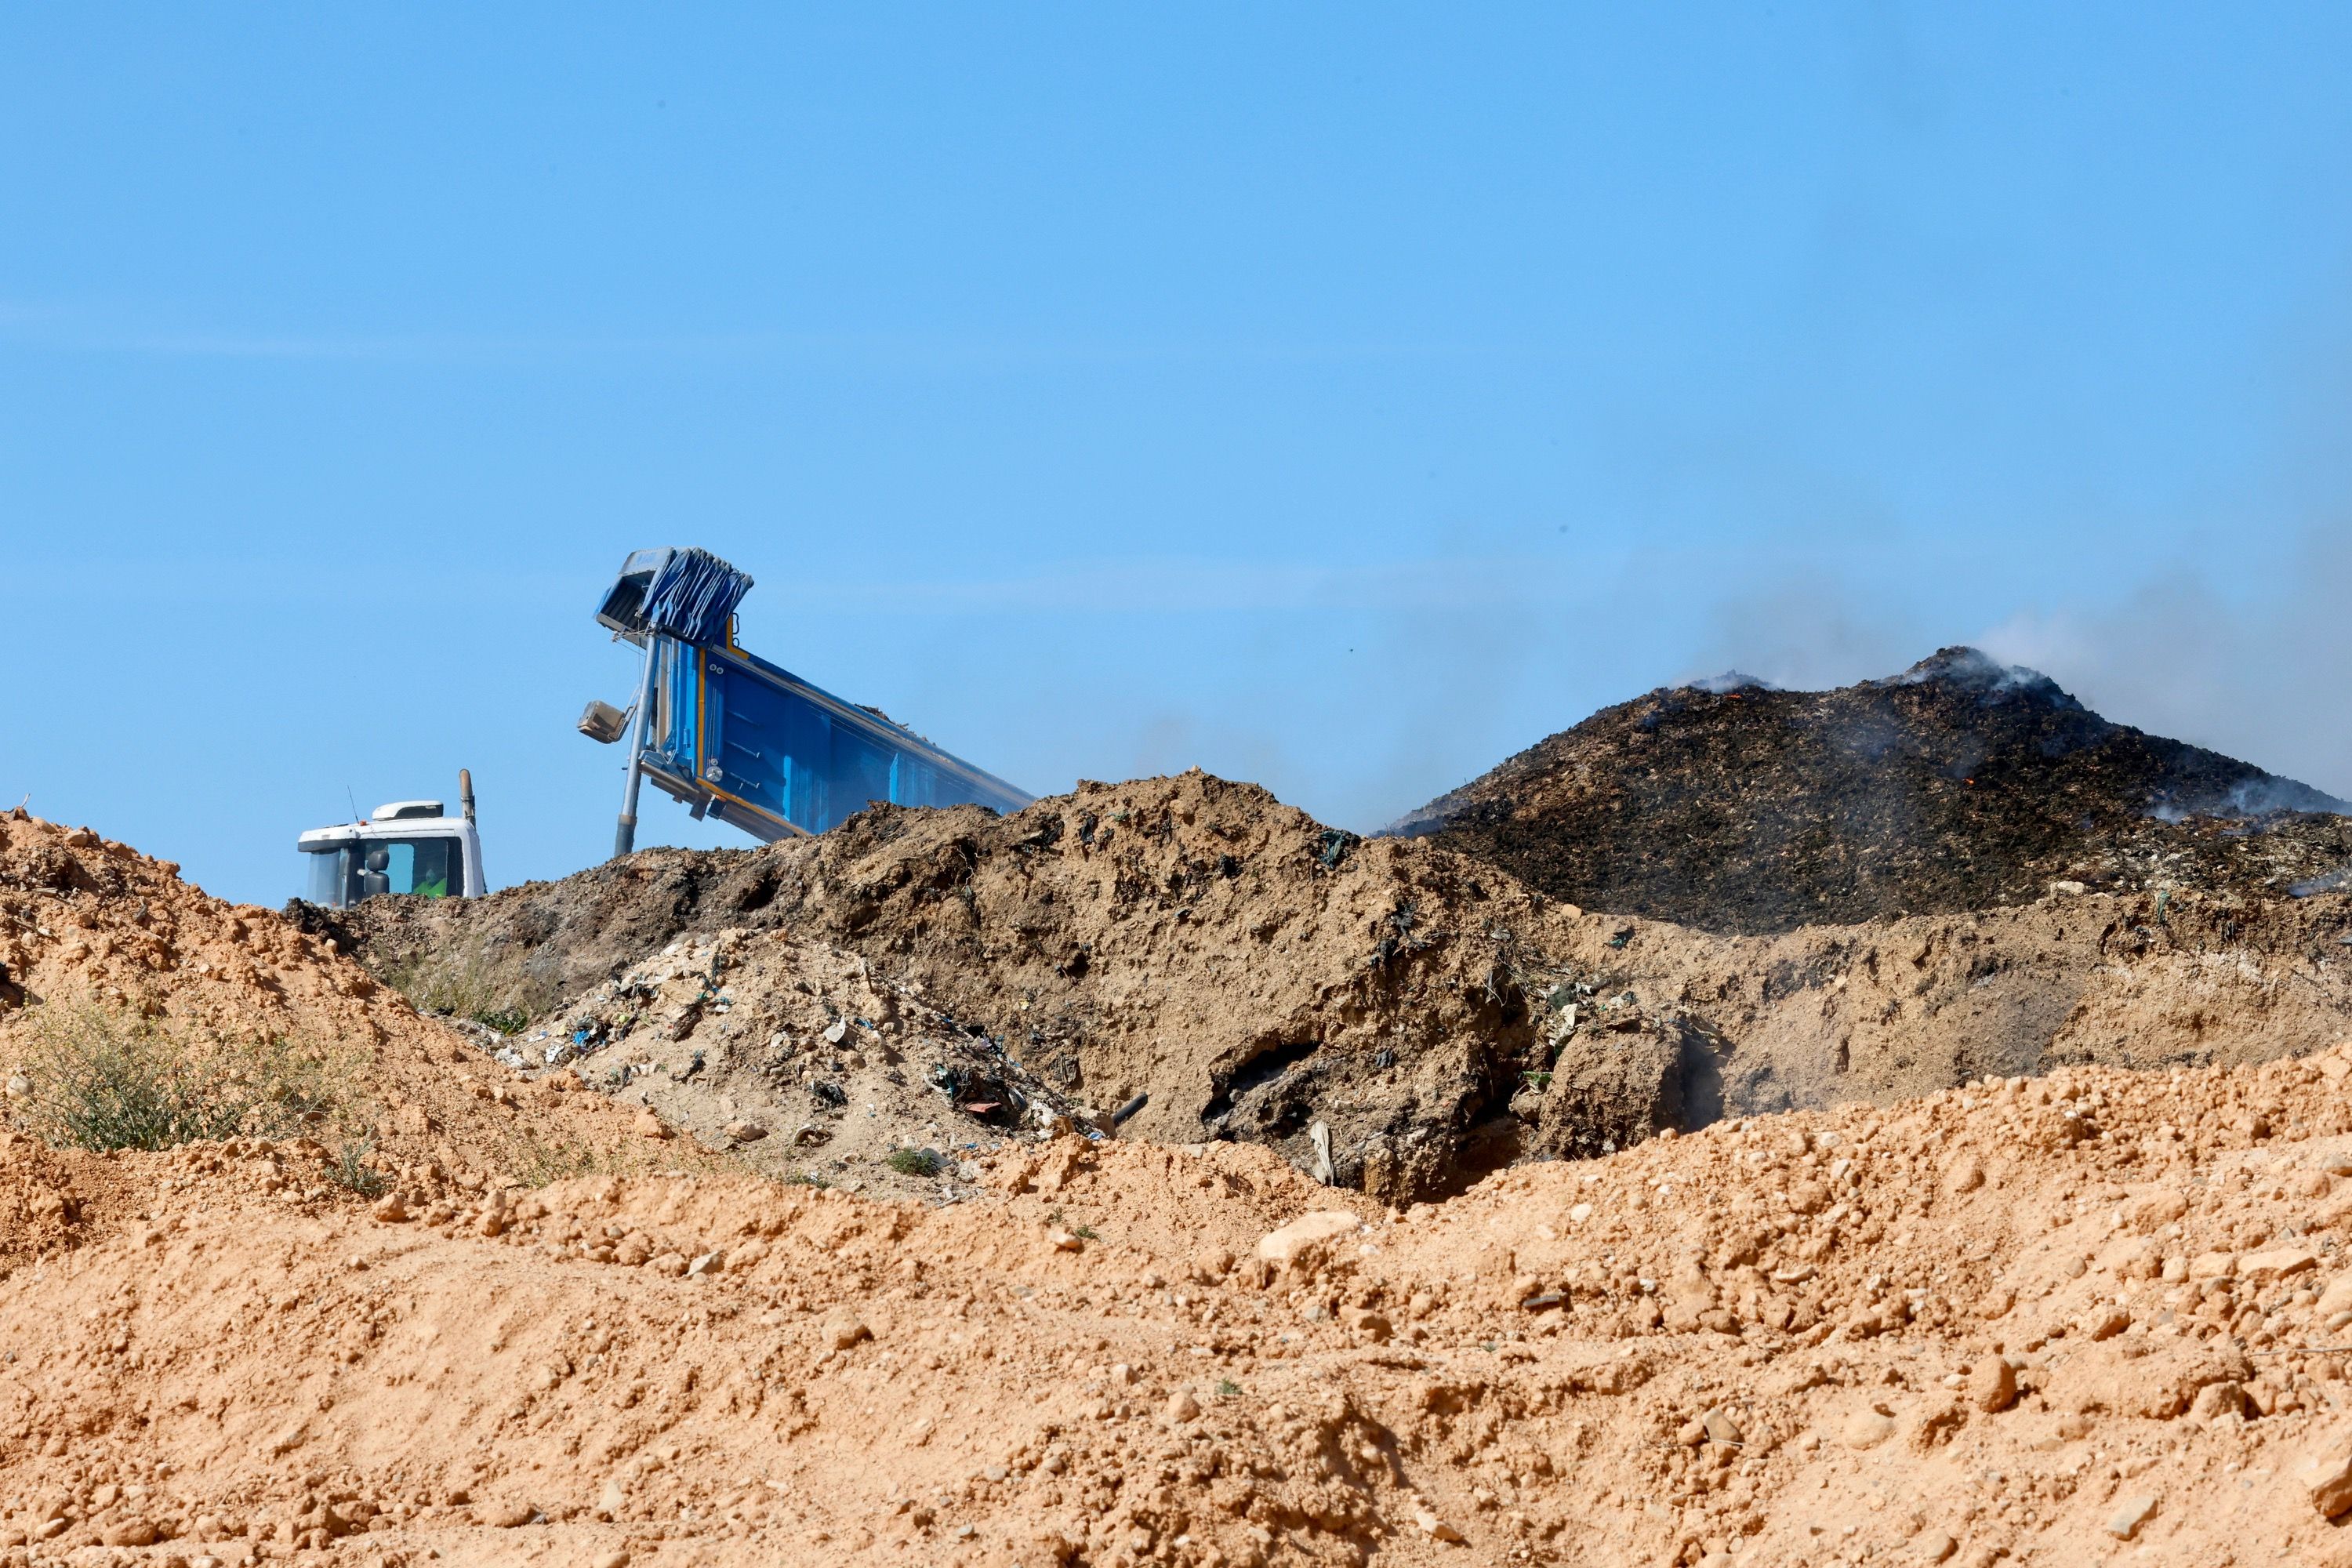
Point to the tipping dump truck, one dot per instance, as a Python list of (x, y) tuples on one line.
[(736, 738), (721, 730)]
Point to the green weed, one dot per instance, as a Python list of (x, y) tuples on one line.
[(352, 1172), (915, 1162), (500, 995)]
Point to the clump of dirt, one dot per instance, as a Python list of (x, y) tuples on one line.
[(1956, 786), (1258, 974), (2017, 1320)]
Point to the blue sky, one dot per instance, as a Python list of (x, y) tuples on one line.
[(1341, 397)]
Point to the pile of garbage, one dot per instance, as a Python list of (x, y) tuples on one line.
[(1245, 971), (796, 1058), (1960, 784)]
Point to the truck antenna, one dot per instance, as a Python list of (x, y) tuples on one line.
[(354, 800)]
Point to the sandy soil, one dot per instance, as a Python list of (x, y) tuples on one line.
[(2099, 1315)]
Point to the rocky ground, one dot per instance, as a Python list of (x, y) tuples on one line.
[(1960, 784)]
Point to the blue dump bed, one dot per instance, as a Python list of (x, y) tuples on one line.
[(738, 739)]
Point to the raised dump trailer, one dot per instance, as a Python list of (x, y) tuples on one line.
[(747, 741)]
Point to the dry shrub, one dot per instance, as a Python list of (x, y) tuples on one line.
[(535, 1160), (501, 995), (98, 1079)]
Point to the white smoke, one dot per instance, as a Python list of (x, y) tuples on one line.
[(2267, 680)]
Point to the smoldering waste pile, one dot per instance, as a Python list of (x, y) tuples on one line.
[(1258, 974), (1959, 784)]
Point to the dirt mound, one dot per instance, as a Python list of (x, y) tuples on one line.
[(738, 1049), (1901, 1008), (1256, 974), (2024, 1321), (1956, 786), (162, 979), (1250, 969), (2020, 1319)]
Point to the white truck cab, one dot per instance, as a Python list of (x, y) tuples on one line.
[(407, 846)]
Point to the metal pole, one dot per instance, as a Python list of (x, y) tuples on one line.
[(625, 836)]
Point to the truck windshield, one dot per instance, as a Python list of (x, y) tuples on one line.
[(326, 873), (343, 874)]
